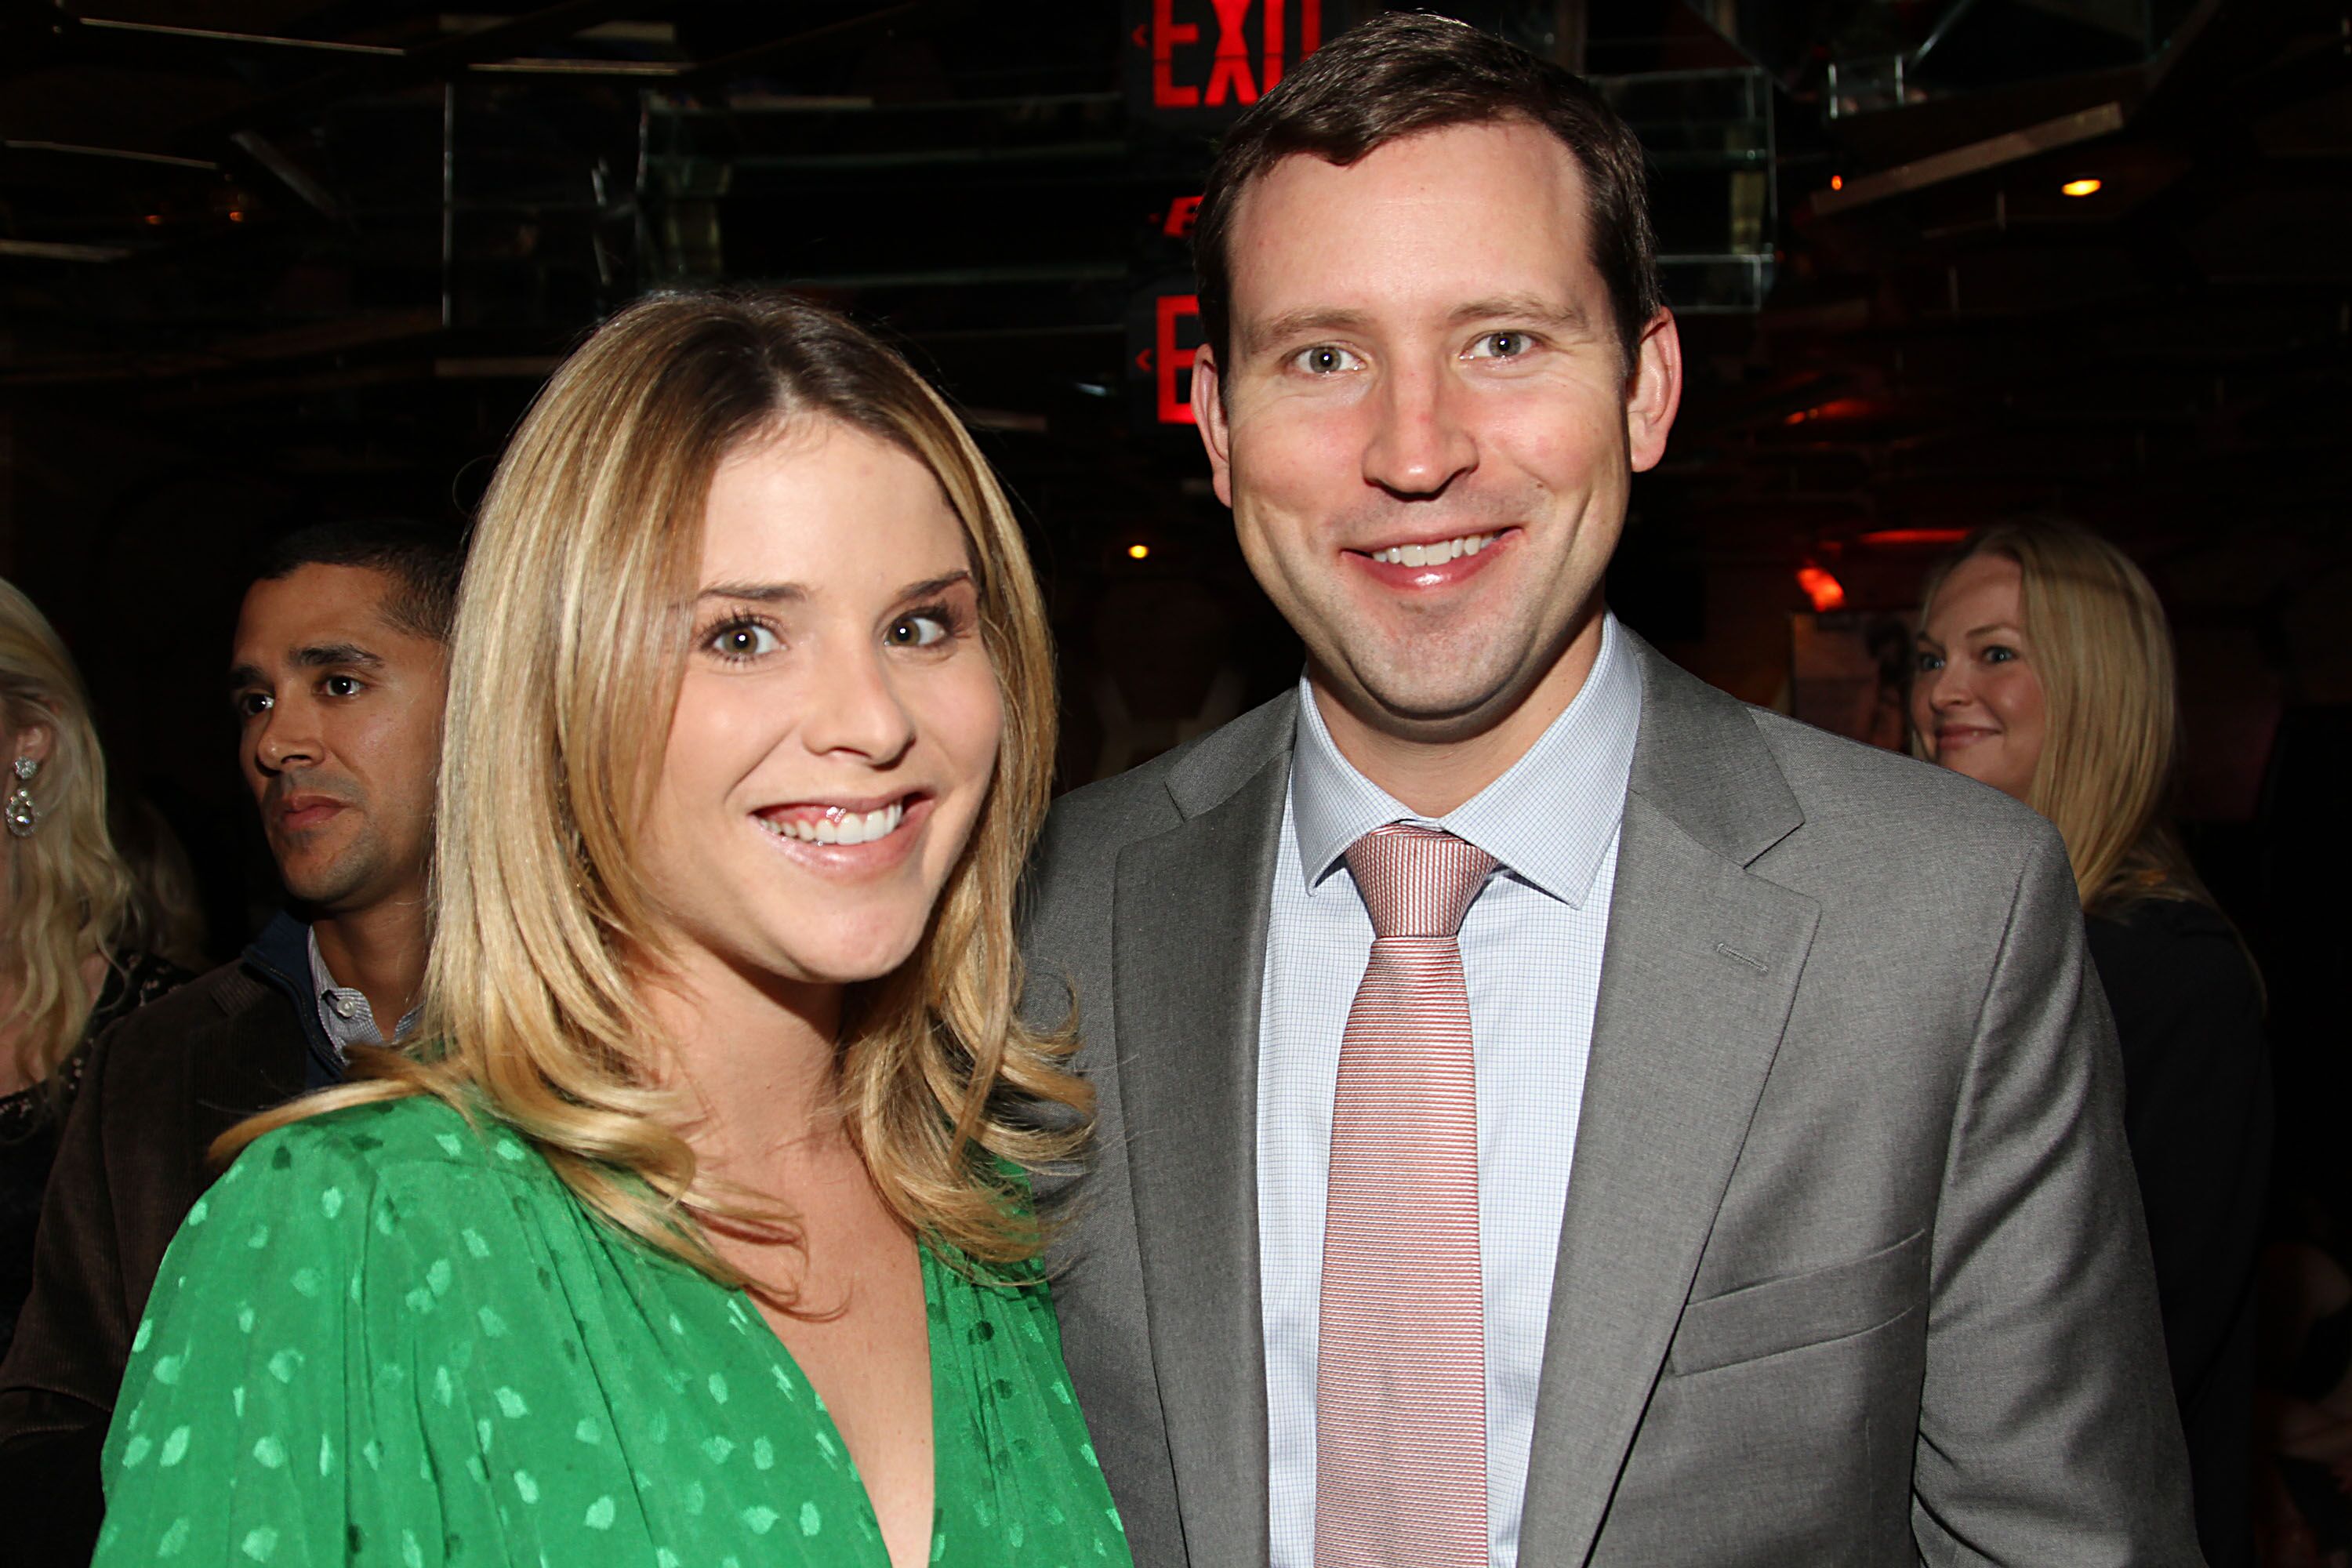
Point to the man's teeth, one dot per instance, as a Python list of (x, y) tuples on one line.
[(1433, 554), (849, 827)]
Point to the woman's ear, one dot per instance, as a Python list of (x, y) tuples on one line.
[(35, 738)]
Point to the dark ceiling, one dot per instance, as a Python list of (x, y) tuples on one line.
[(266, 259)]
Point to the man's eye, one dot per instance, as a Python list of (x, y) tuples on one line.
[(1326, 359), (1502, 345), (743, 640), (343, 686), (915, 631), (249, 704)]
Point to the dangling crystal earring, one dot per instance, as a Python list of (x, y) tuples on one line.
[(21, 815)]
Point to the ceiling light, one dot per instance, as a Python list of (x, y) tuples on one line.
[(1139, 552), (1837, 181), (2084, 187)]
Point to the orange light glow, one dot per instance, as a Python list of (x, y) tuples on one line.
[(2081, 187), (154, 217), (1825, 591), (1139, 552), (1837, 181), (235, 216)]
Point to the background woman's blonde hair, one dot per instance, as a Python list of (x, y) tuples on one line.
[(2099, 643), (571, 635), (69, 893)]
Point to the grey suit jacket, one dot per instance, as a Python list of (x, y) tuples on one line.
[(1852, 1269)]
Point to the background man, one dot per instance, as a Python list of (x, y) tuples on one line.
[(338, 678), (1689, 1139)]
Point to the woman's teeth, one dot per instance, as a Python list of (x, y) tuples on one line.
[(1433, 554), (844, 828)]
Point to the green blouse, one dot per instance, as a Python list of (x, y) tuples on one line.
[(390, 1337)]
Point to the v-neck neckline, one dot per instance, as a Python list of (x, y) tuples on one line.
[(828, 1431)]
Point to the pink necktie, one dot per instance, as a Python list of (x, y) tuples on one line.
[(1400, 1372)]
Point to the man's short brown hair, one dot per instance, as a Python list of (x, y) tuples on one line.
[(1403, 73)]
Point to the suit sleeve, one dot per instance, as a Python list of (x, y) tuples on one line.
[(2047, 1431), (58, 1383)]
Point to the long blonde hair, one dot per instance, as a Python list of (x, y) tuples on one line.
[(69, 893), (2102, 648), (569, 646)]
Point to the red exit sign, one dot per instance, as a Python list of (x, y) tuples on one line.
[(1205, 60), (1163, 334)]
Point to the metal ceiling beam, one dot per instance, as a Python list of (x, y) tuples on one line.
[(430, 62)]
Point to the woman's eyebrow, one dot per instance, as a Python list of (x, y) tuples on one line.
[(759, 593)]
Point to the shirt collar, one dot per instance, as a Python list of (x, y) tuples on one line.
[(1548, 819), (344, 1012)]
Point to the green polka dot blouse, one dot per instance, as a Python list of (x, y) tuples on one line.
[(390, 1337)]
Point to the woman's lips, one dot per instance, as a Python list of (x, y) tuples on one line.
[(1961, 736), (811, 832)]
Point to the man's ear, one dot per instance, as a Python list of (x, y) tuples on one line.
[(1209, 413), (1654, 392)]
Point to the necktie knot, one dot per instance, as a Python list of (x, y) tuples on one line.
[(1417, 881)]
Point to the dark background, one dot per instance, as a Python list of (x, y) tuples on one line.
[(264, 262)]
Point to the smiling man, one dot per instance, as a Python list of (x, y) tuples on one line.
[(337, 678), (1551, 1113)]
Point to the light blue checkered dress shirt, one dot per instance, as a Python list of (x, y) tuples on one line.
[(1531, 958)]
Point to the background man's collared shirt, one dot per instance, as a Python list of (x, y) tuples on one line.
[(344, 1012), (1531, 949)]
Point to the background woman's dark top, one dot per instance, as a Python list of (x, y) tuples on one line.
[(30, 1117), (2197, 1111)]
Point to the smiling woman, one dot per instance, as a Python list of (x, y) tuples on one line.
[(716, 1147), (2045, 670)]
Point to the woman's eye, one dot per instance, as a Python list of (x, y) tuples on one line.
[(1326, 359), (1929, 663), (743, 640), (915, 631), (1501, 345), (1996, 654)]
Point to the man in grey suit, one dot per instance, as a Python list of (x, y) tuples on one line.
[(1803, 1230)]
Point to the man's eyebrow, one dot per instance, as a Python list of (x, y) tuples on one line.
[(319, 655), (1522, 307), (1297, 323), (241, 676)]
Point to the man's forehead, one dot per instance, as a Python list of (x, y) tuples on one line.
[(1481, 210), (318, 605)]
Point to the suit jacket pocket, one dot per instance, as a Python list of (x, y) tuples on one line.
[(1809, 1309)]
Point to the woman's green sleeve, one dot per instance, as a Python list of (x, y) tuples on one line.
[(252, 1427)]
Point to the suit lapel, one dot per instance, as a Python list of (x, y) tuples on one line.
[(1189, 929), (1700, 971)]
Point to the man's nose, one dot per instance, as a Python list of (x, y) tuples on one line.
[(856, 710), (1420, 440), (289, 738)]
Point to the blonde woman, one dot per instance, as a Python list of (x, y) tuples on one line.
[(696, 1234), (2044, 669), (78, 939)]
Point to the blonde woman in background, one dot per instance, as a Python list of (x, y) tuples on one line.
[(2044, 669), (696, 1232), (79, 940)]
